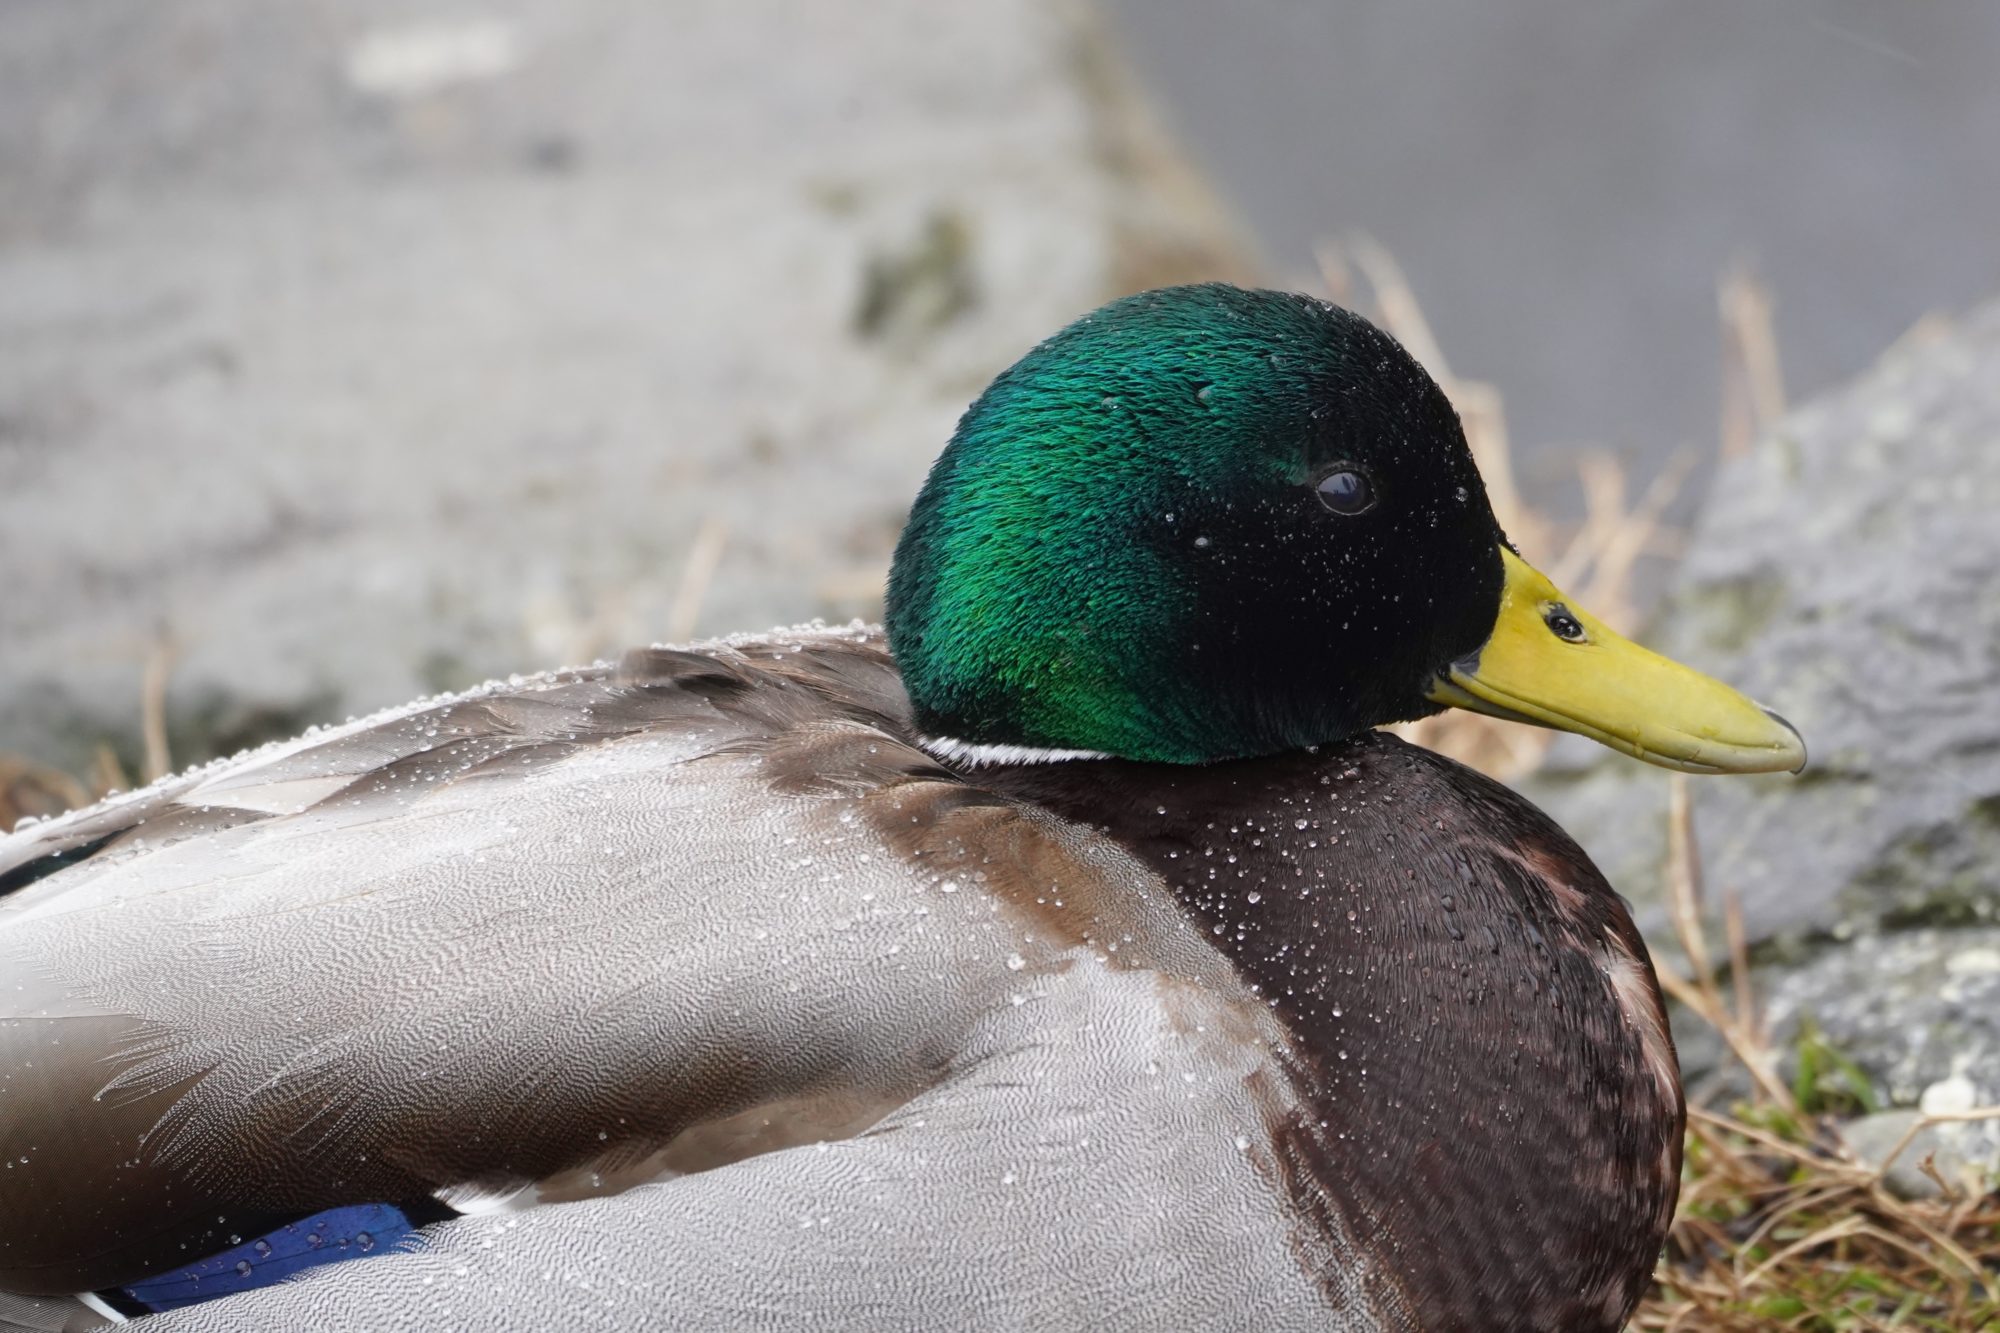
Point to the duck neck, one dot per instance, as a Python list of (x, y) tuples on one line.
[(1484, 1092)]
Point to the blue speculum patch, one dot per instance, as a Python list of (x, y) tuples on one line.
[(357, 1231)]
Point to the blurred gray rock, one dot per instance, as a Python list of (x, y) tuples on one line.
[(1845, 574), (372, 349)]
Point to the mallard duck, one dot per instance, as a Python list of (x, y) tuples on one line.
[(1071, 954)]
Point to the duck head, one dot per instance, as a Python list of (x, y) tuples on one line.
[(1204, 523)]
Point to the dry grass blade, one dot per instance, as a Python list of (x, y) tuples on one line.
[(1701, 992), (107, 774), (1727, 1133), (1753, 387), (1832, 1231), (1684, 889), (153, 707), (35, 791), (1738, 940), (703, 558)]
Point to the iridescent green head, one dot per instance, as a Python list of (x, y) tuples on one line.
[(1205, 523), (1199, 523)]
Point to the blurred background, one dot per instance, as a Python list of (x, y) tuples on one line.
[(352, 351)]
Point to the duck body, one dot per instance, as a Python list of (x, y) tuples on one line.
[(1068, 953), (882, 1045)]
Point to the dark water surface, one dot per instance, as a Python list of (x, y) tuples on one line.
[(1564, 181)]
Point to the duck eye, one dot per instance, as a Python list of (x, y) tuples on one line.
[(1563, 624), (1347, 491)]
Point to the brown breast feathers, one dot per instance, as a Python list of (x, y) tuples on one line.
[(1496, 1107)]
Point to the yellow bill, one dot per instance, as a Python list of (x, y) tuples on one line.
[(1554, 665)]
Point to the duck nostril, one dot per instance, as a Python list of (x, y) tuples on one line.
[(1564, 624)]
